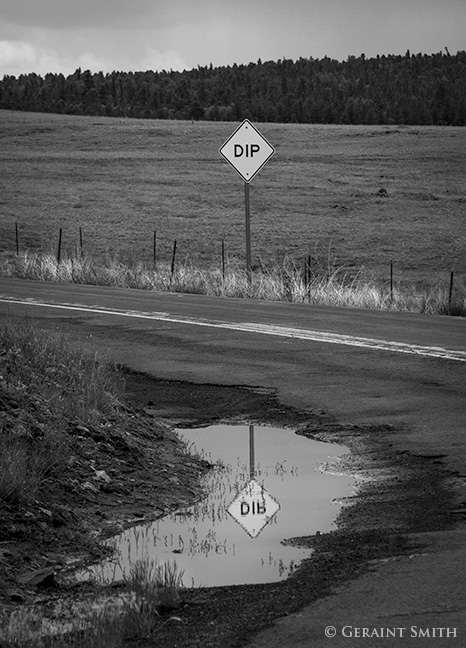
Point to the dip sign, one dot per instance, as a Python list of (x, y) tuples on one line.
[(247, 151)]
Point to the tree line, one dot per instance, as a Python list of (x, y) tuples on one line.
[(409, 89)]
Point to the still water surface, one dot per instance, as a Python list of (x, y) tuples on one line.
[(234, 536)]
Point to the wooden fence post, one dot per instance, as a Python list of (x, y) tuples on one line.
[(450, 292), (173, 259), (59, 247)]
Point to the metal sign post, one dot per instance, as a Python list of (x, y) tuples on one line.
[(247, 151), (247, 211)]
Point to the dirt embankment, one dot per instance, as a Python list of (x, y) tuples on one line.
[(127, 470), (132, 468)]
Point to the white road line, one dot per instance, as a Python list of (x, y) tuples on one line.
[(263, 329)]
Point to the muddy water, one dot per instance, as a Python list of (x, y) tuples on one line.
[(268, 484)]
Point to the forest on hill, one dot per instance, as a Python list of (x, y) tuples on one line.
[(410, 89)]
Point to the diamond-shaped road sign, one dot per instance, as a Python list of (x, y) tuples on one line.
[(253, 508), (247, 150)]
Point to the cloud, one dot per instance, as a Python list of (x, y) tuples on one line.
[(157, 60), (20, 57), (11, 52)]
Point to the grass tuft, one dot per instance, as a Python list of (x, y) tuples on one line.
[(152, 587)]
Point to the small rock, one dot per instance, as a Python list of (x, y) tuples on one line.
[(101, 475)]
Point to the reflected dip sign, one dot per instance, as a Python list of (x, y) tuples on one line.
[(253, 508), (247, 150)]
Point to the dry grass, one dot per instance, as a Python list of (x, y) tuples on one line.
[(44, 365), (152, 587), (44, 384), (279, 282)]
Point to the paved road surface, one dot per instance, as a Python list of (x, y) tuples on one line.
[(360, 366)]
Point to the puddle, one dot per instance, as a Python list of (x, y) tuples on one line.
[(269, 484)]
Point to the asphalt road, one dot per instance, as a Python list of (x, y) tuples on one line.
[(363, 367)]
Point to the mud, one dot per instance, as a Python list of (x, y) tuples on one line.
[(400, 494)]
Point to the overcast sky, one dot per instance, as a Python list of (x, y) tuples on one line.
[(60, 35)]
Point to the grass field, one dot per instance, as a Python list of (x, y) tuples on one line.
[(353, 196)]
